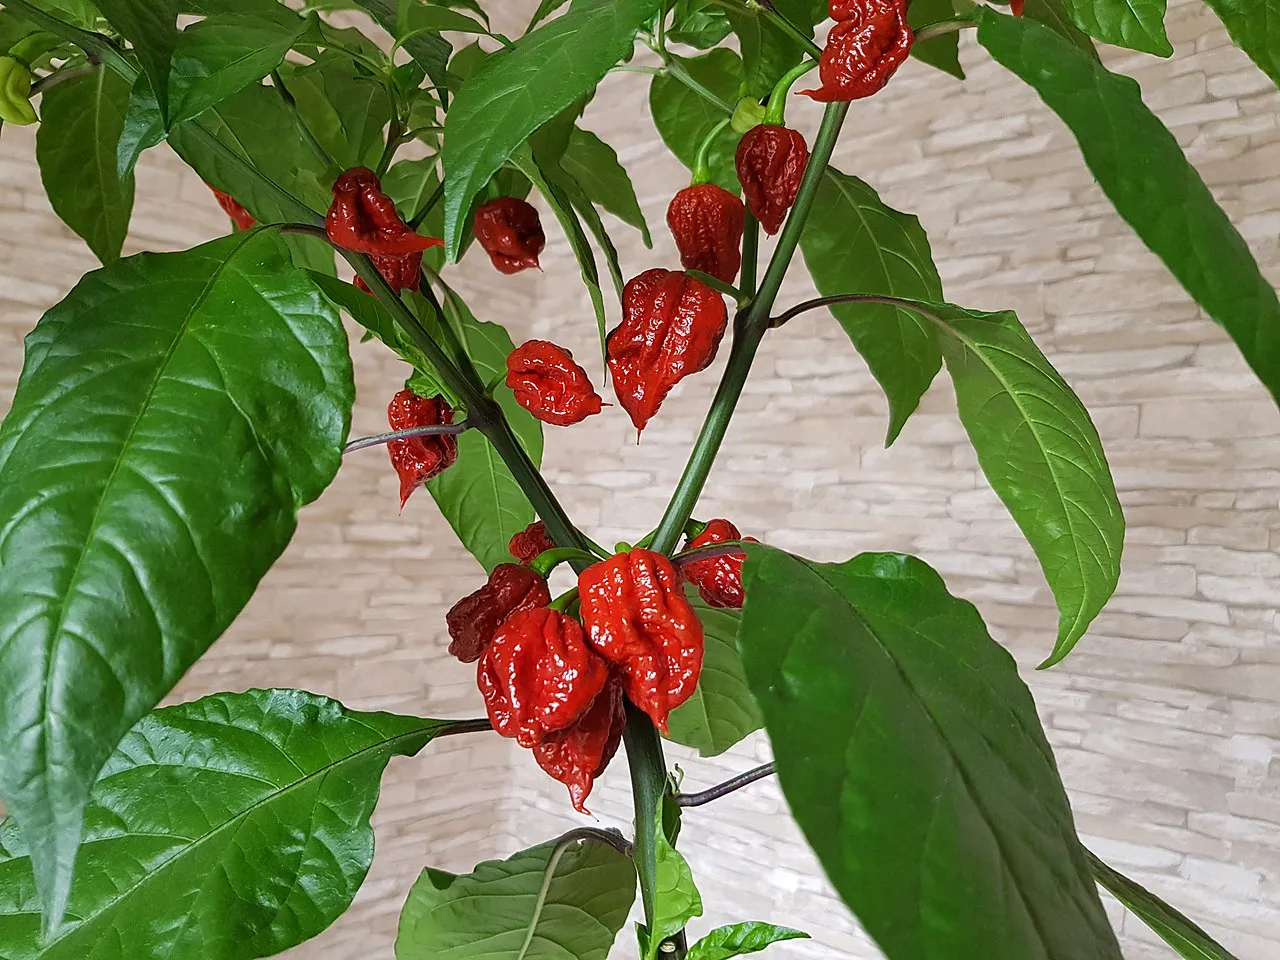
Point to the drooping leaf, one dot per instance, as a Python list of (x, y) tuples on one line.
[(229, 828), (684, 119), (912, 759), (143, 128), (429, 50), (345, 108), (854, 242), (546, 903), (76, 147), (1141, 168), (1255, 27), (519, 89), (594, 165), (942, 51), (1185, 937), (545, 9), (1136, 24), (174, 413), (740, 939), (152, 27), (590, 216), (676, 897), (721, 711)]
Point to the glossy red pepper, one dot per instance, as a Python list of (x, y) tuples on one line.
[(531, 542), (363, 219), (771, 161), (401, 273), (550, 385), (475, 618), (1016, 7), (418, 459), (864, 49), (509, 231), (718, 579), (538, 675), (241, 217), (671, 327), (578, 754), (636, 616), (707, 222)]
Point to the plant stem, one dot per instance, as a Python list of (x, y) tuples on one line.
[(789, 28), (750, 328), (378, 440), (723, 789), (944, 27), (427, 207), (675, 69), (51, 80), (750, 254), (317, 147), (648, 787), (94, 44), (394, 131), (819, 302)]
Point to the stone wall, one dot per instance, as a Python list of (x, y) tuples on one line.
[(1164, 719)]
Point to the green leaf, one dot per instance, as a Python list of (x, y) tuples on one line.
[(685, 119), (76, 146), (1140, 166), (547, 903), (122, 561), (594, 165), (588, 214), (545, 9), (697, 23), (142, 129), (767, 52), (1255, 27), (721, 711), (942, 51), (1186, 938), (438, 19), (223, 54), (517, 90), (1136, 24), (228, 828), (429, 50), (912, 759), (152, 27), (1053, 16), (853, 241), (676, 897), (367, 311), (741, 938), (344, 108)]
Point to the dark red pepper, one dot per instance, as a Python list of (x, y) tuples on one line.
[(538, 675), (241, 217), (401, 273), (671, 327), (718, 579), (363, 219), (418, 459), (637, 617), (509, 231), (1016, 7), (531, 542), (771, 161), (707, 222), (864, 49), (550, 385), (475, 618), (577, 755)]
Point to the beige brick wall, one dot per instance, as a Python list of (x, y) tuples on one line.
[(1165, 718)]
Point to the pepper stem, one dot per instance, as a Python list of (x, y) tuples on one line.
[(548, 560), (776, 114), (561, 603), (701, 168)]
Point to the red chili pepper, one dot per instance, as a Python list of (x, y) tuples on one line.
[(401, 273), (509, 230), (531, 542), (771, 162), (241, 217), (718, 579), (1016, 7), (671, 327), (707, 222), (863, 50), (550, 385), (577, 755), (538, 675), (363, 219), (475, 618), (418, 459), (636, 616)]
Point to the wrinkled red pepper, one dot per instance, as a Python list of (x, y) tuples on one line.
[(538, 675), (401, 273), (363, 219), (771, 161), (707, 222), (636, 616), (510, 232), (241, 217), (864, 49), (577, 755), (718, 579), (550, 385), (531, 542), (418, 459), (671, 327), (475, 618)]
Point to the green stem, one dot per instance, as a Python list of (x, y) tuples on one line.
[(648, 787), (789, 28), (701, 168), (944, 27), (750, 329), (50, 80), (316, 146), (394, 141), (715, 283), (750, 256), (437, 195), (674, 69), (775, 116), (94, 44)]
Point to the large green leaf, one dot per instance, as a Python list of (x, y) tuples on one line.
[(522, 87), (912, 759), (1140, 166), (767, 52), (173, 414), (685, 119), (152, 27), (942, 51), (594, 165), (143, 127), (429, 50), (698, 23), (854, 242), (676, 896), (1137, 24), (344, 108), (229, 828), (551, 902), (721, 711), (740, 939), (1054, 16), (76, 148), (1255, 27), (223, 54)]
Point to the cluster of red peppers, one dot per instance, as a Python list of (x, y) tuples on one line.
[(868, 44)]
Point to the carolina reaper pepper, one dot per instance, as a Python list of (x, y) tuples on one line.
[(864, 49), (241, 217), (771, 161), (1016, 7), (578, 754), (530, 542), (718, 579), (707, 222), (401, 273), (538, 675), (418, 459), (671, 327), (363, 219), (636, 616), (509, 231), (475, 618), (550, 385)]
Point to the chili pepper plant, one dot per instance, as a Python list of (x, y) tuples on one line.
[(176, 410)]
